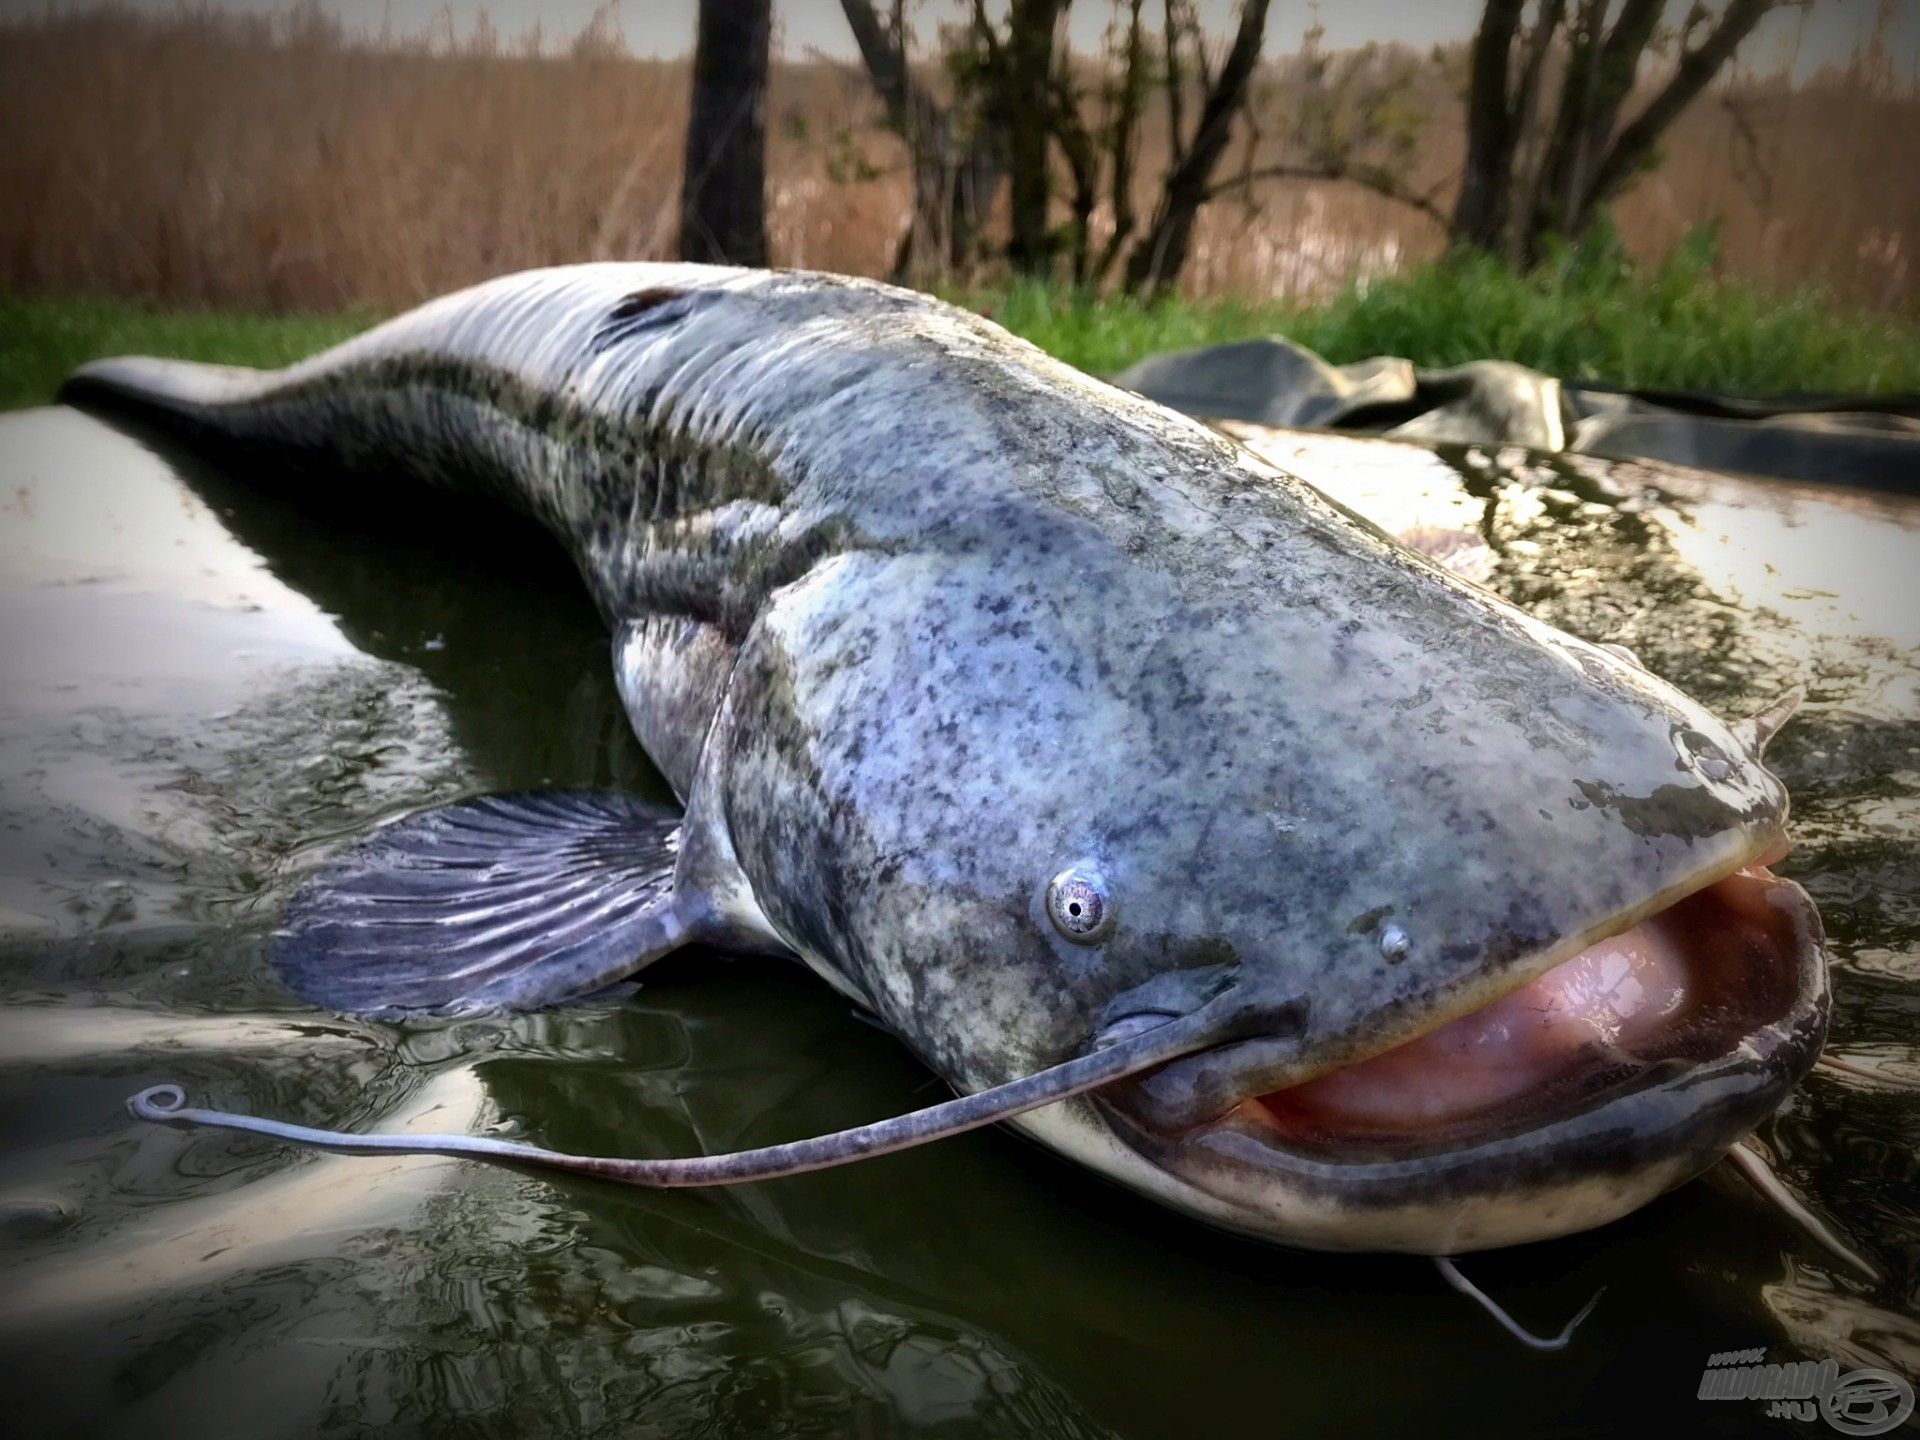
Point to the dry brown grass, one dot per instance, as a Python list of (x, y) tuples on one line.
[(224, 162)]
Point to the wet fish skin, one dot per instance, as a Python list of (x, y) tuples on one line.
[(914, 618)]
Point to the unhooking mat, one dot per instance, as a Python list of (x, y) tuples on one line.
[(1868, 441)]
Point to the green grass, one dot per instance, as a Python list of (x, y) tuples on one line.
[(43, 340), (1672, 327), (1675, 325)]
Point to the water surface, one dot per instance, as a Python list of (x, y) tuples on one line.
[(209, 682)]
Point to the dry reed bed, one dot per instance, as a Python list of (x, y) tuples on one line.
[(213, 161)]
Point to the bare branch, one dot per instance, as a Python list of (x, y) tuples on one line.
[(1122, 131), (1634, 145), (956, 165), (1083, 164), (984, 32), (1203, 69), (1749, 164), (1599, 77), (1539, 45), (883, 49), (1175, 84), (1380, 181), (1161, 254)]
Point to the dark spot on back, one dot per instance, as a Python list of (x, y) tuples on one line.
[(653, 308), (641, 301)]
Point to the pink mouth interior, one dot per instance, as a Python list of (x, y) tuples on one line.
[(1686, 983)]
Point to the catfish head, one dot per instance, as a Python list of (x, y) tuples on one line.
[(1467, 922)]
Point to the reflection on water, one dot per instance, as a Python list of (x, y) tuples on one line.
[(206, 686)]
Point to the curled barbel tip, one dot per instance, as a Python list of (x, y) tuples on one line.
[(1453, 1277), (157, 1102)]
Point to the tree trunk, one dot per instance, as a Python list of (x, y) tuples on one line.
[(1480, 215), (1129, 98), (1025, 100), (723, 185), (1083, 167), (1593, 157), (1510, 202), (1600, 76), (1529, 148), (914, 115), (976, 183), (952, 192), (1156, 262)]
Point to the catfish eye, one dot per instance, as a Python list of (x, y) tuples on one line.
[(1079, 906)]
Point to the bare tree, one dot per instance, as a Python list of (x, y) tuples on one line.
[(1481, 213), (957, 155), (1112, 147), (1007, 84), (1513, 195), (1351, 121), (723, 185), (1550, 139), (1157, 260), (1021, 66), (1185, 72), (1017, 86)]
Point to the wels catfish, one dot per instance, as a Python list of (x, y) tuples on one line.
[(1159, 804)]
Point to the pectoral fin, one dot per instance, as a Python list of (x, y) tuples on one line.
[(502, 902)]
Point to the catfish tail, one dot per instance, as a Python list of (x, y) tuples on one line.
[(344, 413), (536, 389), (317, 417), (138, 384), (169, 397)]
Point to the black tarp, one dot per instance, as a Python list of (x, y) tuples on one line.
[(1868, 441)]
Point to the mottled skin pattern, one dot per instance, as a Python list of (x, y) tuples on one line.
[(913, 618)]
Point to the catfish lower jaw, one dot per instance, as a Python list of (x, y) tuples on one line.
[(1560, 1105)]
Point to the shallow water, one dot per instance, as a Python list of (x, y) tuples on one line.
[(205, 688)]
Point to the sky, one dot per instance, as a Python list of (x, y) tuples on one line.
[(1828, 33)]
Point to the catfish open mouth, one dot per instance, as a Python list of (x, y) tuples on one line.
[(1700, 983), (1684, 986)]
